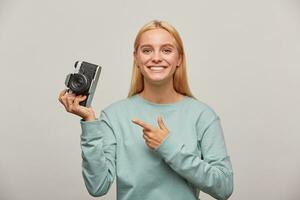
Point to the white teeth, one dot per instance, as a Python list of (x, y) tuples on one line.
[(157, 68)]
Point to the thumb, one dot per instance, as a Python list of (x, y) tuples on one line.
[(161, 123), (79, 98), (82, 97)]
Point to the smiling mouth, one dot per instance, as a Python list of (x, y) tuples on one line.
[(156, 68)]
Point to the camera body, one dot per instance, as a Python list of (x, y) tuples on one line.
[(83, 81)]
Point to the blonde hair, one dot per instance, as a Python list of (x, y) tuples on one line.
[(180, 81)]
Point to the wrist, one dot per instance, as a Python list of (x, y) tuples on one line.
[(89, 118)]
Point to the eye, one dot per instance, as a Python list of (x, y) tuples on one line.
[(146, 51), (167, 51)]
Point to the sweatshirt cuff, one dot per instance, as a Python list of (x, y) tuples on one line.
[(169, 147), (90, 127)]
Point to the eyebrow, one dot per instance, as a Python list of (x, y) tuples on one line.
[(167, 44)]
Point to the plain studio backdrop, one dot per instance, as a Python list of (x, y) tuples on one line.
[(243, 61)]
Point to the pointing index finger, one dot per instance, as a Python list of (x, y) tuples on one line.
[(142, 124)]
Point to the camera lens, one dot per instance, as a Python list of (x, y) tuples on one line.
[(78, 83)]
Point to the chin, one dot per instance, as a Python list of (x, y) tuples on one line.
[(158, 80)]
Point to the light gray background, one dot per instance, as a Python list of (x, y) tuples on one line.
[(243, 60)]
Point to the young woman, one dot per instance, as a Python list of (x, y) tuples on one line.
[(160, 142)]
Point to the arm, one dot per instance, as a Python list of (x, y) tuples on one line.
[(213, 173), (98, 145)]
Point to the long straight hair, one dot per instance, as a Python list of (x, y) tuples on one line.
[(180, 81)]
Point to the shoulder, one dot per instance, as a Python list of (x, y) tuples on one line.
[(205, 116), (203, 111), (117, 106), (201, 106), (115, 111)]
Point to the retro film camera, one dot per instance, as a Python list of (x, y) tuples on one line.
[(83, 81)]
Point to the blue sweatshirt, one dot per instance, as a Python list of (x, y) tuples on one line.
[(191, 158)]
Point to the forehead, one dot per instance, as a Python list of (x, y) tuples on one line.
[(157, 37)]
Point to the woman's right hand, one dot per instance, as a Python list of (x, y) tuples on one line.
[(71, 104)]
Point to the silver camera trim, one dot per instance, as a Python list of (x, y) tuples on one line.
[(93, 87)]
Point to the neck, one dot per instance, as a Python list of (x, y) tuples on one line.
[(161, 94)]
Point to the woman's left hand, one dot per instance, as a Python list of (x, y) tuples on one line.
[(153, 136)]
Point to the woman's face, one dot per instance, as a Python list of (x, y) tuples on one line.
[(157, 56)]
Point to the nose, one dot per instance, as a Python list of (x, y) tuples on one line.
[(156, 58)]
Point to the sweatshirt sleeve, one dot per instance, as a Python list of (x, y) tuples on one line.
[(211, 173), (98, 150)]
